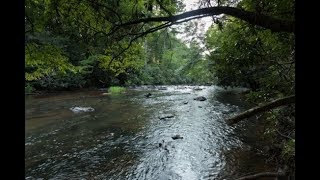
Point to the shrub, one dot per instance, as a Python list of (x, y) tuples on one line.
[(28, 88)]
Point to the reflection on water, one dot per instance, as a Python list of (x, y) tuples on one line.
[(120, 138)]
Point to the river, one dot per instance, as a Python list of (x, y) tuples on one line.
[(125, 137)]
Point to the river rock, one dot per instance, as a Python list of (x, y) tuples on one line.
[(200, 98), (176, 137), (197, 89), (148, 95), (166, 116), (151, 87), (164, 145), (81, 109), (162, 88), (186, 93), (185, 102)]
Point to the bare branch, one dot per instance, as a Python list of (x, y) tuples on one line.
[(264, 174), (151, 30)]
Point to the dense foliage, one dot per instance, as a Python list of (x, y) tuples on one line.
[(67, 47)]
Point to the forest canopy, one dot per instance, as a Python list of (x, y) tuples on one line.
[(101, 43)]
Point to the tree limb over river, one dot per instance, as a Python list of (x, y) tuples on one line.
[(268, 22)]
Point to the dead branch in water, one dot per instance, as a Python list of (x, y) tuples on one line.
[(264, 174), (261, 108)]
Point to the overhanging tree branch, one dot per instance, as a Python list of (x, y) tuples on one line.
[(261, 108), (276, 25), (151, 30), (138, 36)]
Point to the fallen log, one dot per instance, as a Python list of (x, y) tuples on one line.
[(261, 108), (264, 174)]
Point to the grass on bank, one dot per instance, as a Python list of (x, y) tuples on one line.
[(116, 89)]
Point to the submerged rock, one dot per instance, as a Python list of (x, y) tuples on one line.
[(151, 87), (200, 98), (148, 95), (176, 137), (162, 88), (164, 146), (198, 89), (81, 109), (166, 116), (185, 102)]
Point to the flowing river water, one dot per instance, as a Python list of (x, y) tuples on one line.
[(125, 137)]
